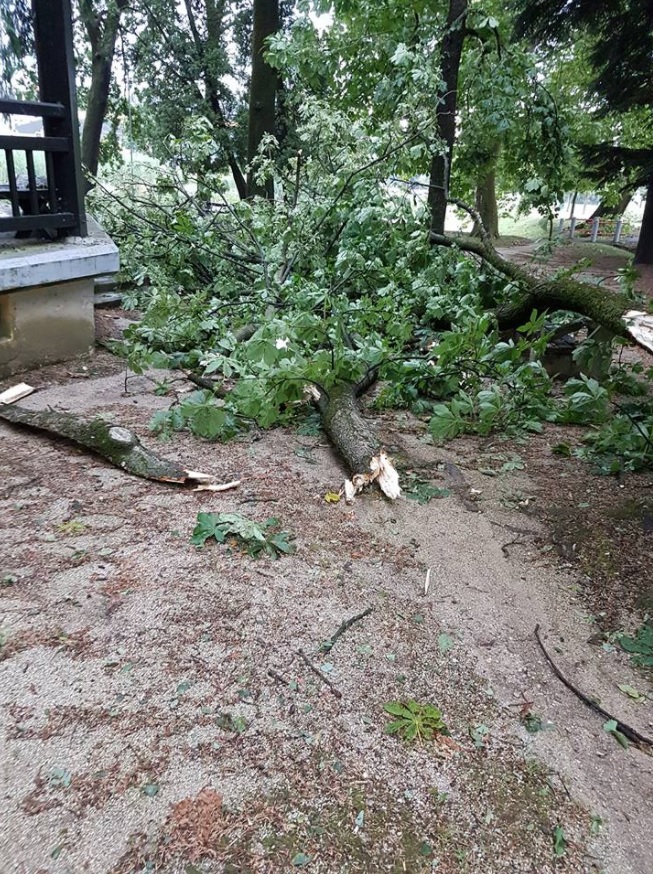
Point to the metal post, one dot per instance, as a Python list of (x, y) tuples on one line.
[(617, 231), (595, 229), (572, 227), (561, 226), (53, 34)]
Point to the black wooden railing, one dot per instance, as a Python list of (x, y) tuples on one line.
[(52, 203)]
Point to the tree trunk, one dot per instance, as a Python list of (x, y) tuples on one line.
[(604, 210), (263, 91), (452, 48), (610, 310), (113, 442), (644, 251), (354, 440), (102, 37), (347, 430), (486, 196), (215, 12)]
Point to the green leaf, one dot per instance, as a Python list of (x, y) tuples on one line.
[(559, 841), (445, 642), (611, 728), (396, 708), (632, 693)]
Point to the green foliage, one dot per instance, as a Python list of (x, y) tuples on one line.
[(640, 646), (254, 538), (503, 386), (201, 413), (421, 491), (414, 721), (611, 727)]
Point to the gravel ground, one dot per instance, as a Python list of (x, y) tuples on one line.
[(143, 729)]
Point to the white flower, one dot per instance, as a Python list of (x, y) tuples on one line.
[(282, 343)]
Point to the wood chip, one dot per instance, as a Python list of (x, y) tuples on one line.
[(15, 393)]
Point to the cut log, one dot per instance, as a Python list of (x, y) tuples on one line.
[(355, 442), (116, 444)]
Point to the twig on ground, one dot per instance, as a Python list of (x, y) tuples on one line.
[(631, 733), (318, 672), (515, 542), (427, 581), (275, 676), (328, 644)]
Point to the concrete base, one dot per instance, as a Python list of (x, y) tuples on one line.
[(46, 297), (46, 324)]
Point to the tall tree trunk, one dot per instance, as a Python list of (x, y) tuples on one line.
[(263, 91), (215, 12), (604, 210), (102, 37), (452, 49), (486, 195), (644, 251)]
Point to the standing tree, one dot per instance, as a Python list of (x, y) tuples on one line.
[(101, 23), (262, 91), (621, 33), (452, 49)]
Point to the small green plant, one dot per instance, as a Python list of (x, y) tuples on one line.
[(414, 721), (254, 538), (72, 527), (421, 491), (640, 646)]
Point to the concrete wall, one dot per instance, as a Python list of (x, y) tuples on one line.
[(46, 297), (46, 324)]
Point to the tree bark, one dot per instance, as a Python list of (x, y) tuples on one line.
[(611, 311), (348, 431), (486, 196), (354, 440), (102, 37), (263, 91), (116, 444), (644, 251), (604, 210), (452, 48), (599, 304)]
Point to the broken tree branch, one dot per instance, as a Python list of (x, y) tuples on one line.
[(326, 680), (631, 733), (116, 444), (612, 311), (328, 645)]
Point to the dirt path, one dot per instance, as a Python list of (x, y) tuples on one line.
[(142, 729)]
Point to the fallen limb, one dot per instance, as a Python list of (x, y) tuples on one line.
[(631, 733), (318, 672), (354, 440), (116, 444), (610, 310), (327, 645)]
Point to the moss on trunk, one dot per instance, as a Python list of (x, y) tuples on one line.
[(113, 442)]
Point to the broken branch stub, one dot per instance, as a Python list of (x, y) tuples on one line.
[(355, 442), (116, 444)]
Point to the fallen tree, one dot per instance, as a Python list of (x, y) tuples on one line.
[(334, 286), (354, 440)]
